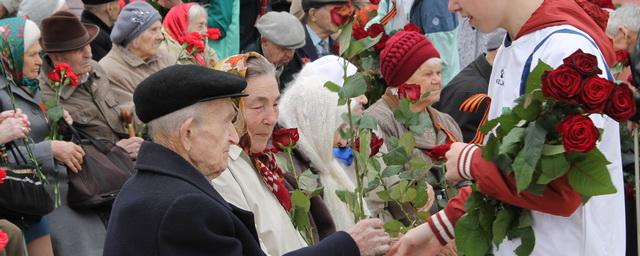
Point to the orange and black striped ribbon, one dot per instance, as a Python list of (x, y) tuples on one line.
[(472, 104), (392, 13)]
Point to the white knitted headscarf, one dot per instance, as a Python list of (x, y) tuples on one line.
[(31, 34), (313, 109)]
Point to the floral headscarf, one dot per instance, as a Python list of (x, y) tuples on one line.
[(237, 64), (12, 46)]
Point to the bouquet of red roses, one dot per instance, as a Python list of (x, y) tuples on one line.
[(547, 135)]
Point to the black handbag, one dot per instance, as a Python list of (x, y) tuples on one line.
[(106, 167), (23, 196)]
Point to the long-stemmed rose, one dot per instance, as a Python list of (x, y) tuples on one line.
[(579, 134), (409, 91), (562, 84), (375, 144), (437, 153), (586, 64), (62, 75), (595, 93), (621, 105)]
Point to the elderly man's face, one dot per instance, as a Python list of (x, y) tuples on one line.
[(625, 39), (261, 110), (79, 59), (322, 18), (278, 56), (210, 137), (146, 44)]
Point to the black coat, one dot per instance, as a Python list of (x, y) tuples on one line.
[(309, 50), (472, 80), (102, 44), (170, 208), (249, 12)]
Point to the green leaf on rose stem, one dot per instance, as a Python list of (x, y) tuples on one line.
[(421, 198), (504, 163), (342, 102), (368, 122), (530, 113), (300, 218), (536, 189), (398, 189), (507, 122), (308, 181), (489, 125), (300, 199), (525, 163), (424, 122), (317, 192), (359, 46), (473, 202), (355, 118), (351, 200), (487, 215), (504, 218), (409, 195), (533, 81), (407, 175), (551, 150), (373, 184), (423, 215), (385, 195), (512, 143), (365, 145), (344, 40), (393, 227), (354, 86), (525, 220), (471, 240), (418, 163), (55, 113), (552, 167), (397, 156), (332, 86), (374, 166), (528, 242), (282, 160), (392, 170), (490, 150), (589, 175), (408, 142)]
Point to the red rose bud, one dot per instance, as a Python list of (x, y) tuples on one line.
[(412, 27), (595, 93), (285, 138), (584, 63), (375, 144), (621, 105), (562, 84), (438, 153), (359, 33), (341, 14), (54, 76), (409, 91), (579, 134), (622, 56), (375, 30), (3, 175), (374, 2), (213, 34)]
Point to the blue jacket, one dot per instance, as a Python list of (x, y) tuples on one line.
[(170, 208)]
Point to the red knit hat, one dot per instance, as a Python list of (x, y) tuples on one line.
[(403, 54)]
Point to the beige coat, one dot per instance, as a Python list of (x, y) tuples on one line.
[(92, 104), (125, 71), (242, 186)]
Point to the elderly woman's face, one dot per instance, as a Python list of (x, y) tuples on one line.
[(146, 44), (261, 110), (32, 61), (199, 25), (428, 77)]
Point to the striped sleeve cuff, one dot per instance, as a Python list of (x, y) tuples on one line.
[(441, 227), (464, 161)]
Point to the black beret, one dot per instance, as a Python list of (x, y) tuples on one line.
[(98, 1), (180, 86)]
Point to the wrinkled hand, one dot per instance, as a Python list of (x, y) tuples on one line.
[(68, 153), (131, 145), (67, 117), (370, 237), (418, 241), (452, 155), (15, 114), (13, 128)]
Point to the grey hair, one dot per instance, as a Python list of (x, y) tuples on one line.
[(196, 11), (628, 16), (164, 127), (435, 61), (259, 66)]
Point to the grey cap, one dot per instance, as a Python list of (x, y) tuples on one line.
[(282, 28), (134, 19), (495, 39), (308, 4)]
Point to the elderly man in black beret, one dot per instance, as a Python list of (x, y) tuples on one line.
[(169, 207)]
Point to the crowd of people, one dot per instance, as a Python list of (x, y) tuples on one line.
[(191, 92)]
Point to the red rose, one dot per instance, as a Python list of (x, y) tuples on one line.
[(578, 133), (621, 105), (603, 3), (594, 95), (375, 30), (213, 34), (341, 14), (409, 91), (622, 56), (54, 76), (562, 84), (382, 43), (375, 144), (411, 27), (584, 63), (4, 239), (3, 175), (285, 138), (375, 2), (437, 153), (359, 33)]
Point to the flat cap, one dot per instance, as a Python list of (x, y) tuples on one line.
[(282, 28), (308, 4), (180, 86)]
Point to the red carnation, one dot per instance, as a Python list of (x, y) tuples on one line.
[(375, 144), (4, 239), (438, 153), (63, 74), (622, 56), (341, 14), (213, 34), (412, 27), (54, 76), (562, 84), (621, 105), (409, 91), (193, 42), (594, 95), (586, 64), (579, 134), (3, 175), (285, 138)]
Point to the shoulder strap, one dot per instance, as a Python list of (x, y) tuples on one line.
[(527, 67)]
